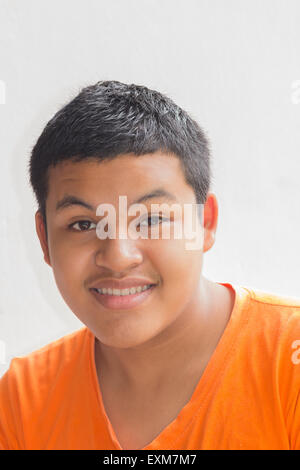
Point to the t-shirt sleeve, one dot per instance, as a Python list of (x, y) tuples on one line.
[(291, 380), (295, 427), (9, 412)]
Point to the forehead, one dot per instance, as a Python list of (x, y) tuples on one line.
[(128, 175)]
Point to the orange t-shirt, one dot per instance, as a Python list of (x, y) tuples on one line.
[(247, 398)]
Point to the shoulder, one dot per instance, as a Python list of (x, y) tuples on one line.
[(273, 299), (273, 331), (268, 345), (36, 382), (268, 325), (41, 365), (263, 304), (278, 312)]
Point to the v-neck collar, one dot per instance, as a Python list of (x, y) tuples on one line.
[(212, 373)]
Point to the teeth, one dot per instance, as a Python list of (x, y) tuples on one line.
[(130, 291)]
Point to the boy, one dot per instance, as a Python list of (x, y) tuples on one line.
[(167, 359)]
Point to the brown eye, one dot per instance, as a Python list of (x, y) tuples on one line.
[(84, 225)]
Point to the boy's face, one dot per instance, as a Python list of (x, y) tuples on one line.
[(81, 260)]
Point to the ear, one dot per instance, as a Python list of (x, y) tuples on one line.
[(210, 221), (41, 232)]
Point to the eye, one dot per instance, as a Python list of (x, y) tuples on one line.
[(82, 224), (151, 218)]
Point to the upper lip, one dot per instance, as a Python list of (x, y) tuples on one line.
[(125, 284)]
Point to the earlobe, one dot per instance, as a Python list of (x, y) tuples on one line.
[(41, 233), (210, 221), (209, 240)]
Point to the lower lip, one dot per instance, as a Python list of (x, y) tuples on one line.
[(122, 301)]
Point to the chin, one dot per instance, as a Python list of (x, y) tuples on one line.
[(124, 338)]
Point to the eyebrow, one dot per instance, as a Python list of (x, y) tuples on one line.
[(156, 193), (69, 200)]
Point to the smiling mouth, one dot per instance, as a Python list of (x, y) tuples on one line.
[(125, 300), (123, 292)]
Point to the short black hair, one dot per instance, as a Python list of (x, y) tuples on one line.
[(111, 118)]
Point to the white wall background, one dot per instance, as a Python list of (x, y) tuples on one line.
[(234, 65)]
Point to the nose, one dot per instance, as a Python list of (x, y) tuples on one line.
[(118, 254)]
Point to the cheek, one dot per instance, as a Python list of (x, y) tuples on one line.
[(70, 270), (180, 269), (69, 263)]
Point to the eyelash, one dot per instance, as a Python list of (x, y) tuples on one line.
[(70, 226), (159, 216)]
